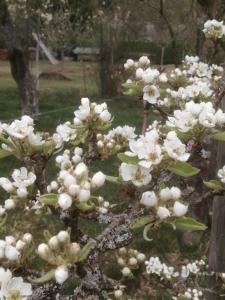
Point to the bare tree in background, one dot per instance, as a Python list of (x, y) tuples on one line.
[(19, 62)]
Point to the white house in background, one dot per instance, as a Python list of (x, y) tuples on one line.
[(87, 53)]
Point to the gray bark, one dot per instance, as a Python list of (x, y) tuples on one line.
[(19, 63)]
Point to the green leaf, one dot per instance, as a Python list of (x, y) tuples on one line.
[(219, 136), (48, 148), (146, 231), (43, 279), (131, 160), (4, 153), (49, 199), (140, 222), (187, 224), (183, 169), (83, 253), (131, 89), (84, 206), (113, 179), (213, 184)]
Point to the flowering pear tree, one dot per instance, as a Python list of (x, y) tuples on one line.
[(47, 253)]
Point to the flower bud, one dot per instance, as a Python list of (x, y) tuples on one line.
[(63, 236), (105, 116), (22, 192), (54, 185), (139, 73), (76, 159), (121, 261), (165, 194), (106, 204), (20, 245), (43, 250), (27, 237), (103, 210), (179, 209), (118, 294), (81, 170), (9, 204), (61, 274), (133, 261), (122, 251), (74, 190), (149, 199), (59, 159), (98, 179), (100, 144), (126, 271), (141, 257), (11, 253), (78, 151), (53, 242), (84, 195), (176, 193), (69, 180), (65, 201), (163, 212), (10, 240)]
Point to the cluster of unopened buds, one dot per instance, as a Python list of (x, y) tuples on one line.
[(89, 116), (166, 203), (155, 267), (128, 260), (18, 189), (214, 29), (116, 140), (61, 253), (11, 248), (149, 152), (73, 184), (193, 294), (102, 206), (195, 80)]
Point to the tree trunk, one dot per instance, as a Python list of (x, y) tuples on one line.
[(19, 63), (217, 239)]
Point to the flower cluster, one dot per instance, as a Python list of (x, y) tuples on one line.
[(73, 183), (193, 270), (61, 253), (214, 29), (194, 294), (20, 139), (89, 116), (10, 248), (147, 77), (128, 260), (149, 151), (165, 203), (194, 80), (196, 116), (116, 140), (13, 287), (18, 189), (154, 266)]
